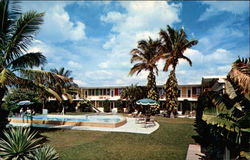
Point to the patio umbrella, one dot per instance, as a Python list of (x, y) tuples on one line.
[(24, 103), (146, 101)]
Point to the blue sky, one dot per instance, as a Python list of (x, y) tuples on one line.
[(93, 39)]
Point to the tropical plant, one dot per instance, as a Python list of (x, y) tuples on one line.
[(66, 88), (119, 106), (146, 55), (84, 106), (174, 44), (132, 94), (106, 106), (45, 152), (230, 125), (16, 33), (171, 94), (19, 143)]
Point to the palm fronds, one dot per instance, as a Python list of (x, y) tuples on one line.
[(240, 73)]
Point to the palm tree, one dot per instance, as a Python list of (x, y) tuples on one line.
[(65, 88), (146, 55), (16, 33), (174, 43)]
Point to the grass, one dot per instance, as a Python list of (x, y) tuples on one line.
[(169, 142)]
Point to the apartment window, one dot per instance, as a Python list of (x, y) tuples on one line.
[(194, 90), (120, 91), (104, 92), (97, 92), (86, 93), (100, 92), (189, 92), (108, 91), (179, 93), (93, 92), (89, 92), (112, 92), (198, 91)]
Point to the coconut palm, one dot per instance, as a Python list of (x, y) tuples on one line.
[(174, 44), (16, 34), (66, 88), (18, 144), (146, 55)]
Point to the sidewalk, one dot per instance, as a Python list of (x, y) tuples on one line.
[(194, 152)]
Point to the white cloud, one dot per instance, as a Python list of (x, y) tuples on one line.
[(80, 83), (139, 21), (216, 7), (57, 25)]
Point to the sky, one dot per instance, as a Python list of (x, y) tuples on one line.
[(93, 39)]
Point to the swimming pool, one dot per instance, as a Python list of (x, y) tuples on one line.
[(73, 120)]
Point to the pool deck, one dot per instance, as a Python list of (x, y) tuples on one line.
[(129, 127)]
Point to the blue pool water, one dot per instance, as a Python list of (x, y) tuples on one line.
[(92, 118)]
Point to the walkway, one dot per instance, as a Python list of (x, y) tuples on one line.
[(129, 127), (194, 152)]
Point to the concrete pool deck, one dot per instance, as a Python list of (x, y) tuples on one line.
[(130, 127)]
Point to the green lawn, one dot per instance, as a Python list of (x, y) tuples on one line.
[(170, 141)]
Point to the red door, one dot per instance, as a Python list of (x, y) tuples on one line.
[(116, 91)]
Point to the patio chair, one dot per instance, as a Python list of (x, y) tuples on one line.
[(149, 120), (139, 118)]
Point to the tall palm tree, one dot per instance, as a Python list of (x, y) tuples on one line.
[(16, 33), (174, 43), (65, 88), (146, 55)]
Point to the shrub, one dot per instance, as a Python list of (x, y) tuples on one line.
[(106, 106), (21, 143), (84, 106), (119, 106)]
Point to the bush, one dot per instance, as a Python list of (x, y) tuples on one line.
[(119, 106), (106, 106), (84, 106), (185, 106), (21, 143)]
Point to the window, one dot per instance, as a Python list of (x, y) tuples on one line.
[(120, 91), (100, 92), (97, 92), (189, 92), (179, 93), (112, 92), (86, 93), (104, 92), (198, 91), (108, 91)]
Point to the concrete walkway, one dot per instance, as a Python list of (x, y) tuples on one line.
[(129, 127), (194, 152)]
